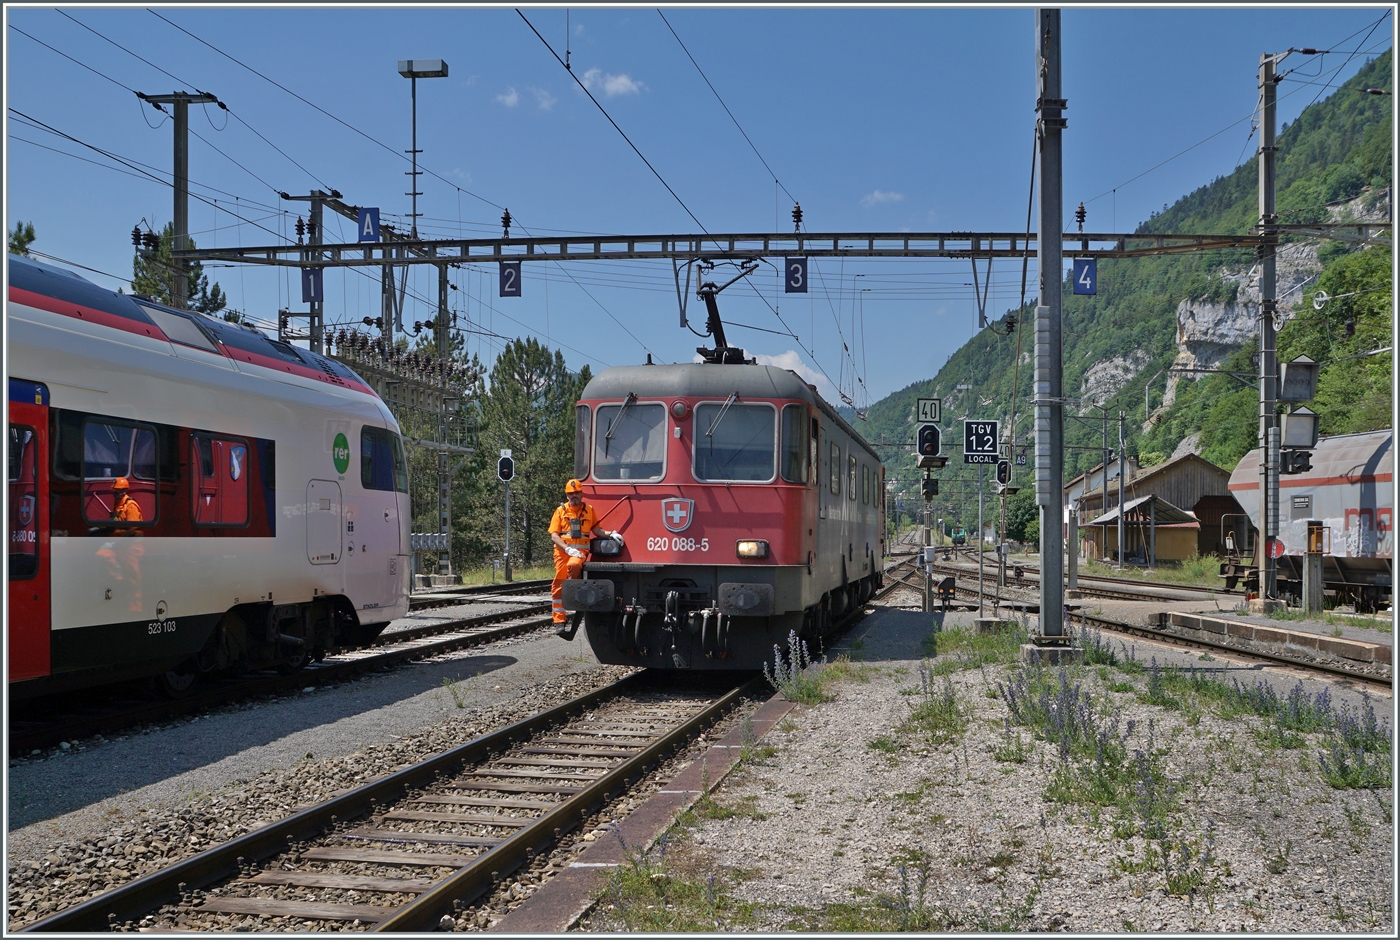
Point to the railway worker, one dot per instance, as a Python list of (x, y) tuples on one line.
[(574, 523), (124, 558), (126, 508)]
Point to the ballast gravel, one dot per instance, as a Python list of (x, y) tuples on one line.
[(104, 812), (854, 808)]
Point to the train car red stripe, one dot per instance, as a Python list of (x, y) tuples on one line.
[(80, 312), (294, 368), (1322, 481)]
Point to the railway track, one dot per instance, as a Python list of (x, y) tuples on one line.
[(404, 852), (450, 597), (1160, 635), (28, 733)]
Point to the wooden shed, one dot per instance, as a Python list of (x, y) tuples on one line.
[(1184, 481)]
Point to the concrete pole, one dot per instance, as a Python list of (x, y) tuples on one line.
[(1122, 477), (1268, 304), (1049, 364), (442, 338), (180, 291)]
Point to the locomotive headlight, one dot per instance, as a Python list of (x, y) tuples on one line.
[(679, 410), (606, 547), (754, 548)]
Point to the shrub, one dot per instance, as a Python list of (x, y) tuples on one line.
[(790, 678)]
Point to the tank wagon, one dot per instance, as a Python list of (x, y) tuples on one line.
[(1350, 490), (270, 482), (747, 505)]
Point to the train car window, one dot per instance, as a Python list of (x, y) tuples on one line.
[(377, 468), (737, 444), (583, 430), (813, 444), (851, 487), (220, 490), (864, 485), (835, 469), (180, 329), (794, 467), (400, 465), (24, 503), (114, 451), (636, 449)]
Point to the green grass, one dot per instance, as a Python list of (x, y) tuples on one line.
[(1380, 625), (957, 648), (1198, 570), (484, 575)]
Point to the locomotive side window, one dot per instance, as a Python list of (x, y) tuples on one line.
[(813, 444), (835, 469), (24, 506), (629, 442), (583, 430), (851, 488), (864, 485), (220, 491), (119, 451), (382, 465), (795, 448), (737, 443)]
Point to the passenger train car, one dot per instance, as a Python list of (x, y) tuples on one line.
[(748, 507), (1350, 490), (271, 485)]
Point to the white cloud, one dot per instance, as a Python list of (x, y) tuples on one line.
[(510, 99), (543, 98), (612, 85), (879, 196), (793, 360)]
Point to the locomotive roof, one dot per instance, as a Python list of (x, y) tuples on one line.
[(1367, 453), (705, 379)]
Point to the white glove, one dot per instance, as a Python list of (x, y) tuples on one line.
[(574, 552), (617, 537)]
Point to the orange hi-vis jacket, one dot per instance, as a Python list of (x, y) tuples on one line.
[(574, 526)]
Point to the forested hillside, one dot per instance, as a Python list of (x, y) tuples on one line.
[(1149, 313)]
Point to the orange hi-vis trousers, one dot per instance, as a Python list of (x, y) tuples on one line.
[(565, 566)]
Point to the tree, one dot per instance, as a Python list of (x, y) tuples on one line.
[(153, 274), (21, 238), (529, 408)]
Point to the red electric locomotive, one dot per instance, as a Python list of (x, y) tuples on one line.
[(747, 505)]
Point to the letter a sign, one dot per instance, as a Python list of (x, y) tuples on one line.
[(369, 225)]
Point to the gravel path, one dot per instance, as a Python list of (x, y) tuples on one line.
[(856, 806)]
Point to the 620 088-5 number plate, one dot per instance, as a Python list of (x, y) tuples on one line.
[(677, 544)]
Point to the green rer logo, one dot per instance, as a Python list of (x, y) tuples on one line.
[(340, 451)]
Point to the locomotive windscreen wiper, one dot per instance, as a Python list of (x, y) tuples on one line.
[(626, 403), (720, 417)]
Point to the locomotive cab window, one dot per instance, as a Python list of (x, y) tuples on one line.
[(382, 464), (629, 442), (865, 484), (794, 467), (737, 443), (113, 452), (583, 430), (851, 487), (835, 469), (220, 471), (24, 503)]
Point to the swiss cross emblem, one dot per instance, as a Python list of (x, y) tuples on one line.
[(26, 510), (676, 513)]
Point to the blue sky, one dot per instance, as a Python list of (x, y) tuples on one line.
[(915, 119)]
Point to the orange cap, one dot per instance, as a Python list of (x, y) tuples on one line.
[(573, 486), (121, 484)]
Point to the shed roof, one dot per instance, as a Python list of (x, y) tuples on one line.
[(1146, 475), (1165, 513)]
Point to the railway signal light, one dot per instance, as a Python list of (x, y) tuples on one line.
[(1295, 461), (929, 488), (1003, 472), (928, 447), (505, 469)]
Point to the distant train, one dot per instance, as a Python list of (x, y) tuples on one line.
[(269, 484), (1350, 490), (748, 508)]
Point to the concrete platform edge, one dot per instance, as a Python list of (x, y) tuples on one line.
[(1356, 650), (563, 900)]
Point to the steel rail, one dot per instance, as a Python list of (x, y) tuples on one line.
[(461, 595), (138, 898), (481, 874)]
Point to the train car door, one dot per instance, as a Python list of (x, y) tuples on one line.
[(30, 564), (323, 525)]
